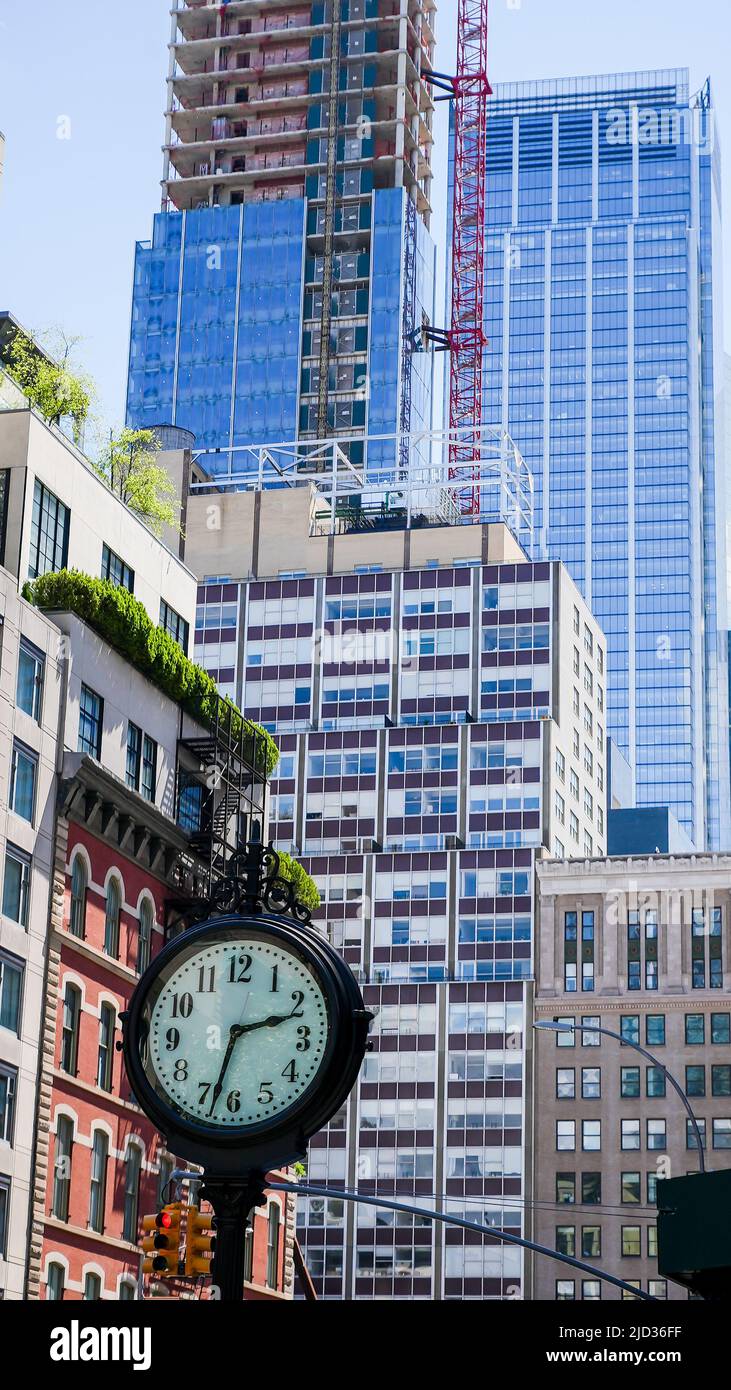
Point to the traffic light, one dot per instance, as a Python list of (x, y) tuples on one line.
[(199, 1242), (161, 1242)]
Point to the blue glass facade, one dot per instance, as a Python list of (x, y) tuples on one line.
[(602, 234), (218, 317)]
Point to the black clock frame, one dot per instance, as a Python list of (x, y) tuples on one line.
[(280, 1139)]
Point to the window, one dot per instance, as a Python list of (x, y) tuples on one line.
[(657, 1288), (249, 1251), (565, 1039), (55, 1282), (91, 714), (565, 1083), (92, 1287), (720, 1080), (560, 765), (273, 1245), (16, 885), (590, 1038), (116, 571), (79, 889), (132, 1168), (652, 1242), (691, 1140), (591, 1188), (722, 1134), (631, 1188), (134, 756), (565, 1291), (29, 689), (70, 1029), (631, 1243), (591, 1242), (4, 490), (591, 1083), (23, 779), (11, 984), (566, 1188), (175, 626), (720, 1028), (98, 1188), (591, 1290), (147, 917), (149, 768), (695, 1030), (111, 918), (591, 1135), (629, 1082), (655, 1030), (695, 1081), (656, 1137), (655, 1082), (566, 1240), (105, 1055), (8, 1086), (630, 1134), (629, 1027), (62, 1167), (565, 1135), (4, 1207), (49, 533)]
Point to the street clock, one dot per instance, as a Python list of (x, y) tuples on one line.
[(243, 1038)]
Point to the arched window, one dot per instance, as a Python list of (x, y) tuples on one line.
[(111, 919), (105, 1057), (62, 1167), (98, 1189), (132, 1170), (79, 888), (55, 1281), (92, 1287), (127, 1290), (70, 1029), (273, 1245), (147, 917)]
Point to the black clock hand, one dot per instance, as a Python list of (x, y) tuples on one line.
[(270, 1022), (234, 1033)]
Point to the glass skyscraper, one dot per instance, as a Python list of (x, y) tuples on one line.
[(290, 274), (604, 362)]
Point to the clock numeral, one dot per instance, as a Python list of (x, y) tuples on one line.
[(204, 1087), (303, 1033), (181, 1070), (299, 1000), (206, 973), (266, 1094), (233, 1101), (182, 1005), (290, 1071), (244, 977), (275, 980), (172, 1039)]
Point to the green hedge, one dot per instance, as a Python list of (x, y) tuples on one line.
[(304, 886), (124, 623)]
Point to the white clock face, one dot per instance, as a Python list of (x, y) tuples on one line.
[(238, 1032)]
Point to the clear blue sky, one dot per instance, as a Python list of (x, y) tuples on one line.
[(71, 210)]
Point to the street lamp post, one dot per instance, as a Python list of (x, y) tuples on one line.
[(556, 1027)]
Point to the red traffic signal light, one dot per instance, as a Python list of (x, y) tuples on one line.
[(161, 1241)]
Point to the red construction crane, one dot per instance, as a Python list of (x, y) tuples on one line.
[(465, 338)]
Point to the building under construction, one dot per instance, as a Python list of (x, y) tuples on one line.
[(288, 289)]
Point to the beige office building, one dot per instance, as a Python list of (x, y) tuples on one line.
[(640, 947)]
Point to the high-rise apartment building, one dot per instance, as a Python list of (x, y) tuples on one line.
[(291, 271), (604, 362), (439, 700), (638, 946)]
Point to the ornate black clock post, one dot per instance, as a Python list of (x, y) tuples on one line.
[(242, 1039)]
